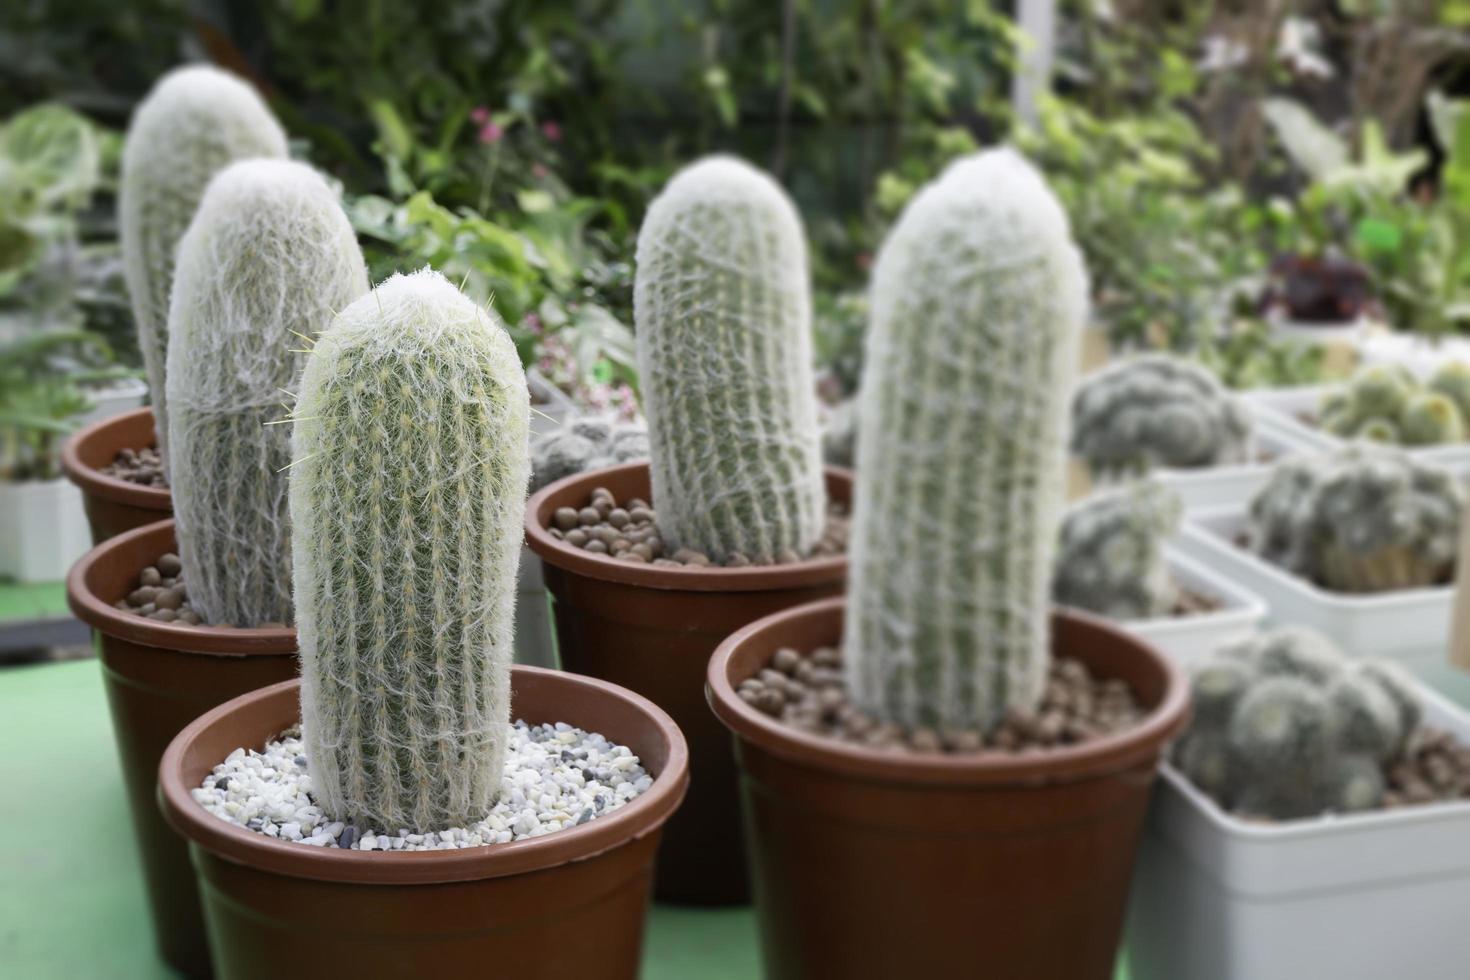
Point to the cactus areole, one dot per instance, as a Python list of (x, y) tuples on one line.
[(406, 500), (724, 353), (978, 303), (195, 122)]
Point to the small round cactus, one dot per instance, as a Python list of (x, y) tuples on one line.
[(1285, 727), (1428, 419), (585, 444), (266, 264), (725, 356), (1365, 519), (978, 301), (1385, 403), (1453, 381), (1157, 410), (195, 122), (1111, 557), (406, 504)]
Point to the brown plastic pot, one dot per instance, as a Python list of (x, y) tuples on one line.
[(652, 630), (114, 506), (159, 677), (568, 904), (885, 864)]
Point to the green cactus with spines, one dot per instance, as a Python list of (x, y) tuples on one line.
[(266, 264), (1380, 390), (406, 502), (1453, 381), (723, 311), (978, 303), (1110, 557), (1157, 410), (1381, 431), (196, 121), (1429, 419), (1366, 518), (1285, 727)]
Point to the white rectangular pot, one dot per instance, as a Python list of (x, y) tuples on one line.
[(1279, 410), (534, 642), (1223, 486), (43, 529), (1376, 896), (1410, 626), (1185, 639)]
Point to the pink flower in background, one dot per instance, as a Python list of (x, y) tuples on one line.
[(480, 115), (551, 131), (539, 171), (491, 132), (532, 322), (865, 260)]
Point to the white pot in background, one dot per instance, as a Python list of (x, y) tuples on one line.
[(550, 407), (1410, 626), (535, 645), (1375, 896), (1223, 486), (43, 529), (1422, 355), (1279, 410), (118, 397), (1186, 639)]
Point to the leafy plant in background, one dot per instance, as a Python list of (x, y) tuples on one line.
[(44, 378)]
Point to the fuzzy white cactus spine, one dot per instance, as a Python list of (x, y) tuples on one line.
[(724, 352), (266, 264), (195, 121), (406, 500), (978, 301)]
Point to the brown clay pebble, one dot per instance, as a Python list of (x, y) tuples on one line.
[(589, 516), (565, 518), (151, 576), (164, 615), (169, 599), (143, 595), (576, 536), (689, 556), (808, 692), (596, 547), (169, 565), (617, 517)]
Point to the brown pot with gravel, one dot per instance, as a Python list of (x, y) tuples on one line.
[(116, 464), (571, 902), (880, 851), (649, 623), (161, 670)]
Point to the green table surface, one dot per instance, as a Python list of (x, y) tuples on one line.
[(71, 891), (46, 600)]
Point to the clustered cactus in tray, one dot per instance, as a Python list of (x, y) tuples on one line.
[(1364, 519), (196, 121), (1157, 410), (978, 301), (1287, 727), (1111, 561), (583, 444), (724, 355), (1386, 403)]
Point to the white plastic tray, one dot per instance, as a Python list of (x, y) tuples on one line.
[(1223, 486), (1185, 639), (1377, 896)]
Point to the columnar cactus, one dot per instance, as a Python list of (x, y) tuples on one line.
[(1157, 410), (1286, 727), (978, 302), (1111, 557), (585, 444), (724, 353), (268, 261), (1366, 519), (196, 121), (406, 500)]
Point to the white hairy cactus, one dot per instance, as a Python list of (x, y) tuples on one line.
[(724, 354), (978, 303), (406, 504), (1111, 557), (196, 121), (266, 264), (1157, 410)]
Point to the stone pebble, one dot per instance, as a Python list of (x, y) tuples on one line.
[(141, 466), (628, 531), (556, 776), (161, 594)]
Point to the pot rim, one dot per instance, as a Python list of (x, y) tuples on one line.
[(98, 484), (1095, 759), (99, 614), (758, 578), (645, 814)]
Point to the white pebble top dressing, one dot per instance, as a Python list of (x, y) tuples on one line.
[(555, 776)]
